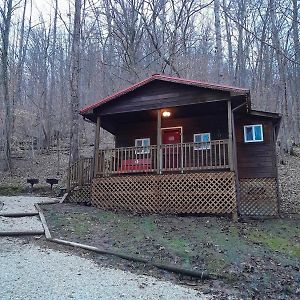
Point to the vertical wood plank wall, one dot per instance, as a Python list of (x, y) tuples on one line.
[(256, 165)]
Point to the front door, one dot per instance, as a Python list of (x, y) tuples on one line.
[(171, 139)]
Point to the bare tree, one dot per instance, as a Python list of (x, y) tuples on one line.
[(52, 72), (5, 25), (74, 84), (219, 50), (108, 44), (229, 41)]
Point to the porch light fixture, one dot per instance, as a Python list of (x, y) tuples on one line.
[(166, 114)]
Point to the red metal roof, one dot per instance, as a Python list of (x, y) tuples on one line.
[(169, 79)]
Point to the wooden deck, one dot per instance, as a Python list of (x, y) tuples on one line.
[(183, 157), (177, 178), (173, 158)]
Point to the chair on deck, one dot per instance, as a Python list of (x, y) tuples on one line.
[(135, 165)]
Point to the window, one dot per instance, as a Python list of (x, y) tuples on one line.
[(203, 139), (143, 145), (253, 133)]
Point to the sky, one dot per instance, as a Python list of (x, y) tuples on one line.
[(46, 8)]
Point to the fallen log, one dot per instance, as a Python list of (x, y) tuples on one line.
[(170, 268), (19, 214), (21, 233)]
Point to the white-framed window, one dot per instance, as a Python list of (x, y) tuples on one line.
[(203, 139), (143, 145), (253, 133)]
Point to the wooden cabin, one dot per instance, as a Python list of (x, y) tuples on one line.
[(181, 147)]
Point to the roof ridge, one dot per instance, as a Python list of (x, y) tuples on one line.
[(200, 82)]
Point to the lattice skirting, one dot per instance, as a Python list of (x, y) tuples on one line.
[(167, 194), (259, 197), (80, 194)]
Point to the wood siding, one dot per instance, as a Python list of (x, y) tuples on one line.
[(255, 160), (215, 124), (158, 94)]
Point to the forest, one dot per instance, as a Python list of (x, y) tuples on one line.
[(58, 56)]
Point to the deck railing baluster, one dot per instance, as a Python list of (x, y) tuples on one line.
[(193, 164), (112, 161), (224, 154), (202, 157), (205, 155), (165, 157), (169, 165), (191, 148), (220, 161), (180, 157), (184, 164), (99, 163), (210, 155), (172, 163), (215, 154)]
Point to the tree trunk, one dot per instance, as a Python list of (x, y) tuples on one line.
[(219, 56), (240, 60), (75, 83), (229, 44), (283, 96), (5, 30), (297, 64), (52, 75)]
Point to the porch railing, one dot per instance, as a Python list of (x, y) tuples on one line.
[(168, 158), (80, 173)]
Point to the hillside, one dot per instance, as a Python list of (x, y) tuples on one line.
[(45, 165)]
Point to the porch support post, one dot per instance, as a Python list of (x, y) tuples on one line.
[(230, 155), (158, 142), (96, 146)]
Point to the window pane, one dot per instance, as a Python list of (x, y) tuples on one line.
[(146, 142), (205, 137), (197, 138), (249, 133), (139, 143), (258, 133)]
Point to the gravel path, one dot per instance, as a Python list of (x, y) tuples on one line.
[(30, 272), (20, 204), (21, 224)]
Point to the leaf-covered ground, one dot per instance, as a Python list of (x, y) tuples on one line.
[(258, 258)]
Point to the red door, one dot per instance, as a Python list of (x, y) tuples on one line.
[(171, 139), (171, 136)]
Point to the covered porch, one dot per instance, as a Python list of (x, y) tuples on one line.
[(181, 139), (175, 140)]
